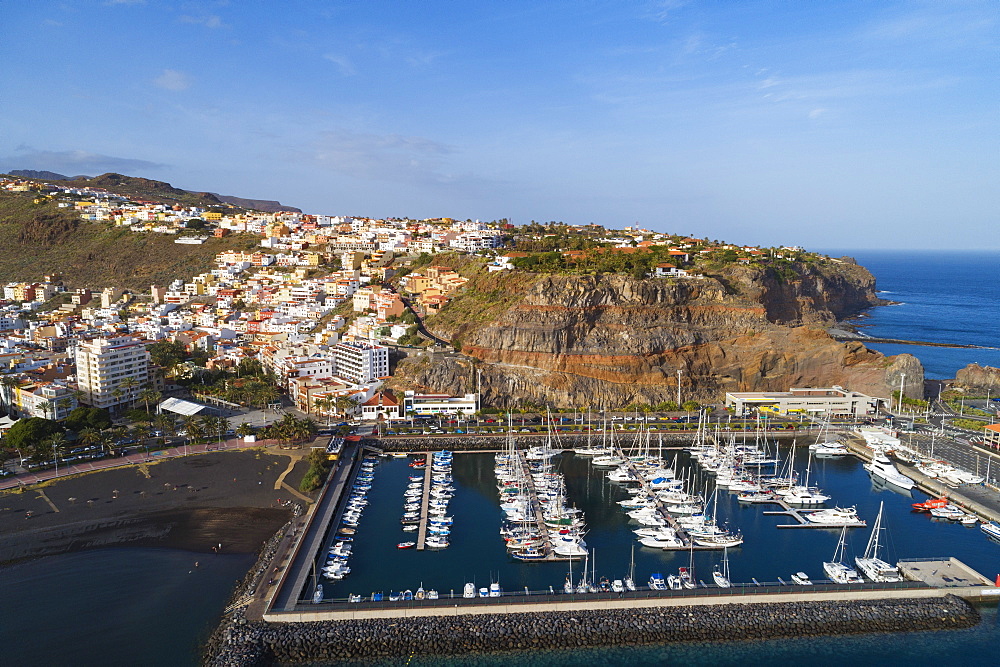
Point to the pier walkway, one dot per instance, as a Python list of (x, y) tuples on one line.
[(425, 502)]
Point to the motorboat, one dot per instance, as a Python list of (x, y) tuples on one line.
[(469, 591), (802, 579), (406, 545), (495, 591), (656, 582), (837, 516), (883, 468)]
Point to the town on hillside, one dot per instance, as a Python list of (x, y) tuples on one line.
[(310, 316)]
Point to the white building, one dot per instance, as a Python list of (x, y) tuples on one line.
[(104, 363), (361, 362), (812, 401), (434, 404)]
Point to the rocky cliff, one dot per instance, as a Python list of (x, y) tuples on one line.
[(613, 340), (975, 377)]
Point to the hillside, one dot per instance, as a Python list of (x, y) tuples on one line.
[(41, 239), (157, 191), (614, 340)]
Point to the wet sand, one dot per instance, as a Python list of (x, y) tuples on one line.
[(193, 503)]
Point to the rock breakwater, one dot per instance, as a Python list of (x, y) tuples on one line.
[(247, 643)]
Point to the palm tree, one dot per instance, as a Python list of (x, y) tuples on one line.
[(57, 441), (140, 432), (245, 429), (148, 396), (128, 384), (324, 404), (346, 404), (78, 395), (117, 393), (64, 403), (193, 426), (45, 406), (89, 436), (9, 382), (164, 423)]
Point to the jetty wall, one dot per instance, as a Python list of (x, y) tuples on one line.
[(246, 643)]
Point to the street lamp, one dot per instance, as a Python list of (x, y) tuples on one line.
[(902, 378), (679, 371)]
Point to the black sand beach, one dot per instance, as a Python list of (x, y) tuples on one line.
[(194, 503)]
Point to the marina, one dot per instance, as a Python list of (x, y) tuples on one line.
[(382, 570)]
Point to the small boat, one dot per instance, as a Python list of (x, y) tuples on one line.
[(495, 591), (802, 579), (318, 594), (721, 575), (420, 594), (411, 527), (354, 598), (377, 597), (673, 582), (406, 545), (469, 591), (484, 592), (407, 594), (687, 577), (656, 582), (618, 586), (432, 594), (836, 570), (870, 564), (882, 467)]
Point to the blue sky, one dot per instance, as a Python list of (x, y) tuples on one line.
[(823, 124)]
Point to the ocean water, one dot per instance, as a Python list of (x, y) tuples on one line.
[(120, 606), (942, 297)]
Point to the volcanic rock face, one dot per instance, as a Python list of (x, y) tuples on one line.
[(974, 377), (613, 340)]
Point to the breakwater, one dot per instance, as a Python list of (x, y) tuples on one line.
[(247, 643)]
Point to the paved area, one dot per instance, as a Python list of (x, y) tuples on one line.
[(948, 573)]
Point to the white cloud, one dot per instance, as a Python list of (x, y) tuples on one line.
[(73, 163), (209, 21), (173, 80), (345, 66), (816, 113)]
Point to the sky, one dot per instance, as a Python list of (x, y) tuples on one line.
[(823, 124)]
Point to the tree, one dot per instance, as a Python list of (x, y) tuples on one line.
[(89, 436), (148, 396), (128, 384), (55, 442), (691, 406), (9, 382), (166, 354), (29, 433), (82, 417), (245, 429)]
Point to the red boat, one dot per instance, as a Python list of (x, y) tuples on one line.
[(419, 463), (933, 503), (406, 545)]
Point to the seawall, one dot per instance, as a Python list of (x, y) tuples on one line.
[(244, 643)]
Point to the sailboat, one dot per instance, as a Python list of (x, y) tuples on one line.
[(804, 494), (630, 579), (836, 570), (871, 565), (721, 576)]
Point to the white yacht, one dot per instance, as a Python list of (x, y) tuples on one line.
[(837, 516), (870, 564), (883, 468)]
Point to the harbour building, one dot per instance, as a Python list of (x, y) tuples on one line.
[(111, 371), (815, 402)]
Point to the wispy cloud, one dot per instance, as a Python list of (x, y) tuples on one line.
[(124, 2), (343, 64), (394, 158), (73, 163), (173, 80), (208, 21)]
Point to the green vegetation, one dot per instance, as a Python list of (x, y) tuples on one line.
[(30, 436), (913, 402), (81, 418), (319, 468), (95, 254), (968, 424)]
